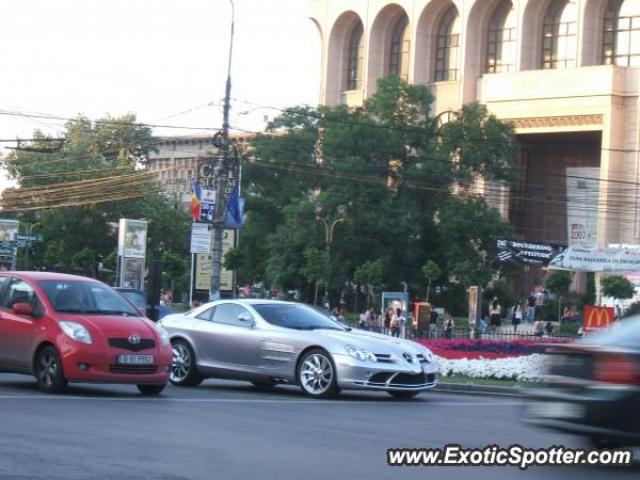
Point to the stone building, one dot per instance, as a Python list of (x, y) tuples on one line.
[(565, 72)]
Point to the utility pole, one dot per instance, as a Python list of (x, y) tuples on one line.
[(221, 179)]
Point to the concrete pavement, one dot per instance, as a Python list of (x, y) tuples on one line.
[(227, 430)]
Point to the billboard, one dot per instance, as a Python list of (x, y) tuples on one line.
[(204, 267), (132, 248), (526, 253), (583, 188)]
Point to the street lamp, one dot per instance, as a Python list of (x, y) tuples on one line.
[(329, 226)]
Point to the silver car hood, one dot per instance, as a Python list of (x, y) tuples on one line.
[(373, 342)]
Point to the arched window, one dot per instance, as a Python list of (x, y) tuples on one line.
[(559, 40), (447, 46), (501, 47), (400, 46), (355, 60), (621, 45)]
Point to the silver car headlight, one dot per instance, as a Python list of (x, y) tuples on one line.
[(164, 336), (76, 331), (360, 354)]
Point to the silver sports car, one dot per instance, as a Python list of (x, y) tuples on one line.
[(270, 342)]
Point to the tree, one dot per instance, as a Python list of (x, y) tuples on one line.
[(394, 170), (617, 287), (315, 268), (558, 282), (95, 174), (431, 271), (370, 274)]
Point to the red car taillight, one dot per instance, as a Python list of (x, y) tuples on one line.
[(619, 369)]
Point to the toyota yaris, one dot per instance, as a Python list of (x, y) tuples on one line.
[(65, 328)]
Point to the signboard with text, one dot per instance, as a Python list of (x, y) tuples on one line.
[(203, 266), (597, 317), (526, 253)]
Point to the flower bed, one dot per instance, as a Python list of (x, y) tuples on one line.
[(524, 368), (465, 348)]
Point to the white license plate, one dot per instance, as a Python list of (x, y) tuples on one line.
[(556, 410), (430, 368), (135, 359)]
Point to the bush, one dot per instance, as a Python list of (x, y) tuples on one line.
[(633, 309), (548, 312)]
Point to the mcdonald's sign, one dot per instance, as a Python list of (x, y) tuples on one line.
[(597, 317)]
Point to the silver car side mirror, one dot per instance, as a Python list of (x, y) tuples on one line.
[(247, 320)]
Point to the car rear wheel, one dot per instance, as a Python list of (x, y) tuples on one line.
[(403, 393), (317, 375), (183, 367), (48, 371), (151, 390)]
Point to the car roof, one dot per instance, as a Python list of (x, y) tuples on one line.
[(257, 301), (35, 276)]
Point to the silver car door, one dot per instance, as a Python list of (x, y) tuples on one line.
[(232, 340)]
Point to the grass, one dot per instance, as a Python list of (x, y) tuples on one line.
[(494, 382)]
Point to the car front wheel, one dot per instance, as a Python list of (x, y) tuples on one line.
[(317, 375), (183, 367), (48, 371)]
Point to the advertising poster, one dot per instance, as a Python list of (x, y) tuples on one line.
[(132, 247), (203, 266), (583, 188), (526, 253)]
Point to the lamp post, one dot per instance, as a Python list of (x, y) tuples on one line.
[(329, 226), (221, 172)]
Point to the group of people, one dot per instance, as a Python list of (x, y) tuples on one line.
[(392, 321), (525, 311)]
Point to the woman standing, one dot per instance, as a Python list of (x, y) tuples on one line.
[(516, 319), (495, 312)]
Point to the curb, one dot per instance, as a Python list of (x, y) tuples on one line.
[(472, 389)]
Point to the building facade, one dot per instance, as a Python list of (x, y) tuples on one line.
[(178, 161), (565, 72)]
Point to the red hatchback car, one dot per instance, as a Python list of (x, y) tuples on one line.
[(65, 328)]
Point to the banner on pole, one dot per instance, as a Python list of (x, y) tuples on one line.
[(526, 253), (204, 266), (581, 259), (200, 238), (583, 187)]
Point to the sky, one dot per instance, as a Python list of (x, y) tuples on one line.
[(165, 60)]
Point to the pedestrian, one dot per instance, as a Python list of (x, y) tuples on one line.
[(448, 326), (516, 317), (538, 327), (531, 307), (387, 321), (495, 313), (362, 320), (402, 324), (394, 324)]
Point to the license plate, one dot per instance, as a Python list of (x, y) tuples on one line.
[(135, 359), (556, 410), (430, 368)]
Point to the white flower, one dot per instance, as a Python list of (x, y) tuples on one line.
[(524, 369)]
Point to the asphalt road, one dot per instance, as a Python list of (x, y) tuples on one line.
[(226, 430)]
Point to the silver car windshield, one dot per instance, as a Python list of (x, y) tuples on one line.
[(297, 317)]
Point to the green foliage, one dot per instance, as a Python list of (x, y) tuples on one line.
[(431, 270), (384, 162), (78, 237), (632, 310), (370, 273), (589, 296), (558, 282), (315, 265), (617, 287), (232, 259)]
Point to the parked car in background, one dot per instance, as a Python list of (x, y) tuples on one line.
[(592, 387), (270, 342), (65, 328), (140, 301)]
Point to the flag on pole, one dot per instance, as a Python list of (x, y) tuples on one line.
[(196, 201), (235, 210)]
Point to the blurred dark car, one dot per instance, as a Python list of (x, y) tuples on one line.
[(592, 387), (140, 301)]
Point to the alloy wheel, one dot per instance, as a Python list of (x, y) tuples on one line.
[(181, 363), (316, 374)]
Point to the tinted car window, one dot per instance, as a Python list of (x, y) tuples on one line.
[(206, 315), (85, 297), (228, 313), (296, 316)]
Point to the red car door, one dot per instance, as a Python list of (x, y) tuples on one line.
[(18, 332)]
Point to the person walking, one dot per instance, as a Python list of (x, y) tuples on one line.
[(531, 307), (448, 326), (394, 324), (495, 312), (516, 318), (387, 321)]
